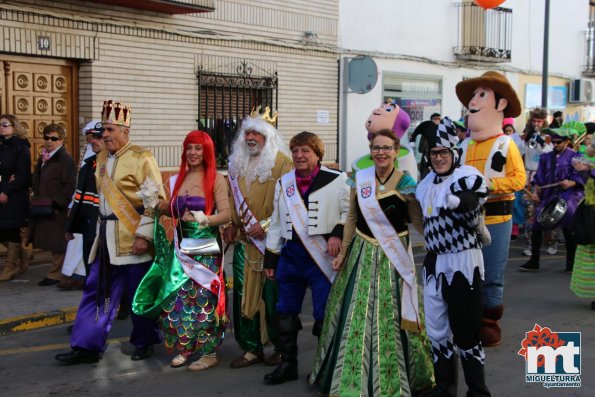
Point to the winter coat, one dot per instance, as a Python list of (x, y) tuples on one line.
[(55, 180), (15, 180)]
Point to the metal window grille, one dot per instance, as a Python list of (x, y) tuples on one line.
[(484, 35), (225, 99)]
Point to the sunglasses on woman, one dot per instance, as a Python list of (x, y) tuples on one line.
[(51, 138), (5, 124)]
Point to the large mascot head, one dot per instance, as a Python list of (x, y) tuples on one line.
[(489, 98), (388, 116)]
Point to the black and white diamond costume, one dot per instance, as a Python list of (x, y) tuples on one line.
[(453, 268)]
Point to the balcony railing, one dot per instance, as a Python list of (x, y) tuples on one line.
[(165, 6), (484, 35), (590, 50)]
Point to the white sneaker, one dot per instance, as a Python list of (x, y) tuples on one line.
[(527, 251), (552, 249)]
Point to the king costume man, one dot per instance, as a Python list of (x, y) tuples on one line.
[(121, 253), (257, 162)]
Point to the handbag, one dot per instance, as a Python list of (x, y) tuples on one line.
[(41, 207), (583, 223), (200, 246)]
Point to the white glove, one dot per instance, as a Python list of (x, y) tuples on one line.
[(451, 201), (200, 217)]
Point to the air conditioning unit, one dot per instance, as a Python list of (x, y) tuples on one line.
[(581, 91)]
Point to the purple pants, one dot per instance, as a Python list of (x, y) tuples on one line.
[(90, 333)]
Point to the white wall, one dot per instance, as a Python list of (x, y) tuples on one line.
[(418, 37)]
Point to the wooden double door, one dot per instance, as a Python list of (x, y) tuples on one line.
[(41, 92)]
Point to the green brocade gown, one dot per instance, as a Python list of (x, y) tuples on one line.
[(362, 350), (186, 311)]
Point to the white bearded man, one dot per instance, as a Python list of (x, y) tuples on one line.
[(257, 161)]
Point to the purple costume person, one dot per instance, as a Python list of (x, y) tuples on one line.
[(552, 168), (556, 167), (120, 256)]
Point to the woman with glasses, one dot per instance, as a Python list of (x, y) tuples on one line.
[(190, 307), (54, 182), (373, 341), (15, 180)]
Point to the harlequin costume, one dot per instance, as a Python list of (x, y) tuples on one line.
[(252, 182), (453, 268), (497, 157)]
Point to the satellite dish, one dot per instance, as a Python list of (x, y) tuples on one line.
[(362, 74)]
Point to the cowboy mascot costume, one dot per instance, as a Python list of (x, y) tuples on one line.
[(490, 98)]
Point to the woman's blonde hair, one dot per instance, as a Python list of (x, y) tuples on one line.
[(19, 129)]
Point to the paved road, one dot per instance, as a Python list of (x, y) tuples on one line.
[(27, 366)]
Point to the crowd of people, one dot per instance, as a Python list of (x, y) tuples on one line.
[(295, 224)]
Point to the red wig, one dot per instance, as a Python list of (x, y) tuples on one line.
[(208, 162)]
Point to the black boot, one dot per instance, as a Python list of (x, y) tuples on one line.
[(446, 372), (474, 377), (570, 245), (533, 264), (288, 328)]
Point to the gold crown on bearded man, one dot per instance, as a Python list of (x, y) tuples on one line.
[(266, 115), (116, 113)]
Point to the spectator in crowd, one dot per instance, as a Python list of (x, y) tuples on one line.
[(310, 207), (256, 163), (453, 268), (587, 140), (425, 129), (373, 328), (535, 144), (82, 217), (15, 180), (558, 119), (556, 178), (517, 210), (461, 129), (435, 118), (54, 180), (120, 255)]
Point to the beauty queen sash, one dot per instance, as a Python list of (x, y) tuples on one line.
[(120, 206), (390, 243), (315, 245), (248, 219)]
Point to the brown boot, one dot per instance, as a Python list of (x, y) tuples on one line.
[(24, 255), (10, 267), (490, 334)]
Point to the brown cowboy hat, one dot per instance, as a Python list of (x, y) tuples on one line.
[(494, 81)]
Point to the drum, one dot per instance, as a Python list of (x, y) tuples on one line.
[(552, 213)]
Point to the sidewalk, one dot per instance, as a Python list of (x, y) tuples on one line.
[(27, 306)]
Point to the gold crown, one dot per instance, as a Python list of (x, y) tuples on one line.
[(266, 115), (116, 113)]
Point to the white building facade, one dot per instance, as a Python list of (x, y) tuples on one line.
[(423, 48)]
